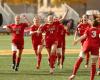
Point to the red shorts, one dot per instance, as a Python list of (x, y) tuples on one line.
[(94, 49), (60, 44), (19, 43), (36, 44), (49, 43)]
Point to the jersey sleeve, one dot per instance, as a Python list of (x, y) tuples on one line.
[(25, 25)]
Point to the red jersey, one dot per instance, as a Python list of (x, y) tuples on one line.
[(17, 30), (92, 36), (51, 31), (91, 43), (36, 37), (82, 27), (60, 32)]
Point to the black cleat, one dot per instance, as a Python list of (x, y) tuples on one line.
[(16, 68), (13, 66)]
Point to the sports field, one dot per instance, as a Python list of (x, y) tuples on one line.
[(27, 70)]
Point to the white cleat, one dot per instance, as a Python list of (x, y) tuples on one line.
[(86, 66), (98, 73), (71, 77)]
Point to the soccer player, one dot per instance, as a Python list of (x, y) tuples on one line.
[(82, 26), (36, 40), (92, 36), (17, 31), (98, 19), (61, 31), (50, 31)]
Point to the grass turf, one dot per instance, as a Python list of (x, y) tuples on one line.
[(27, 70)]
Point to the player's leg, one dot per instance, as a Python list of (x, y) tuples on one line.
[(20, 46), (63, 56), (58, 56), (53, 57), (18, 59), (39, 55), (14, 51), (98, 72), (87, 59), (77, 65), (93, 66), (48, 50)]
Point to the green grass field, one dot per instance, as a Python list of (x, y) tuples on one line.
[(27, 70)]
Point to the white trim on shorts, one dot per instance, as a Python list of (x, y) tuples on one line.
[(13, 47)]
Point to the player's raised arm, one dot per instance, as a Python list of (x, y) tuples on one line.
[(65, 14), (26, 19)]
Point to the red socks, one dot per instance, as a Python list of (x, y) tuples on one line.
[(93, 71), (99, 62), (18, 61), (14, 57), (87, 58), (52, 60), (39, 59), (77, 65)]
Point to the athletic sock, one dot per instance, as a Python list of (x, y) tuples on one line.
[(93, 71), (18, 61), (52, 60), (14, 57), (99, 62), (59, 58), (77, 65), (39, 57), (87, 58)]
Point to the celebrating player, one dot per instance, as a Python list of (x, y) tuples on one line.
[(90, 45), (82, 26), (36, 40), (17, 31)]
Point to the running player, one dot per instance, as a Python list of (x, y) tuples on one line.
[(90, 45), (98, 72), (17, 31), (36, 40), (82, 26), (50, 31), (61, 31)]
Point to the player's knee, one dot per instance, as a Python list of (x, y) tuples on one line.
[(59, 50), (82, 54), (94, 58)]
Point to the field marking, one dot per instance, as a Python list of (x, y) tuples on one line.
[(35, 57), (31, 51)]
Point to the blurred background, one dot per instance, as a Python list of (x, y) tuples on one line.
[(9, 8)]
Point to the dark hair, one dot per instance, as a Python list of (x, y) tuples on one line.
[(95, 23)]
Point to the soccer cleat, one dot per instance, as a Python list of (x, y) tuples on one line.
[(37, 67), (16, 68), (98, 73), (71, 77), (13, 66), (86, 65), (51, 70)]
